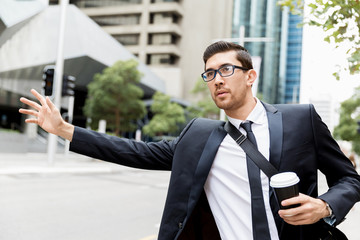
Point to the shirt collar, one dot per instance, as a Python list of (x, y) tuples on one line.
[(257, 115)]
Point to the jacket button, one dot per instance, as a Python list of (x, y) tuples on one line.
[(180, 225)]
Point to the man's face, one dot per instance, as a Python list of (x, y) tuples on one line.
[(233, 92)]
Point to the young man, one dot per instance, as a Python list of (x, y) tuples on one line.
[(210, 194)]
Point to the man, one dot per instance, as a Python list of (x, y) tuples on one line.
[(209, 195)]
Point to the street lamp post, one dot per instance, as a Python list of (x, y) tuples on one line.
[(58, 78)]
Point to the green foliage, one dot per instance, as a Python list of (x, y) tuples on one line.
[(167, 116), (114, 96), (349, 116), (340, 19), (205, 107), (295, 6)]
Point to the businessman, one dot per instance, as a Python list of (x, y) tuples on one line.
[(213, 186)]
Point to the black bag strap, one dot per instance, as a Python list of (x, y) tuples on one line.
[(251, 150)]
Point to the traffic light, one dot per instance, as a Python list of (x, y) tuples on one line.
[(48, 80), (358, 128), (68, 86)]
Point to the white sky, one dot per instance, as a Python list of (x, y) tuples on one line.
[(319, 61)]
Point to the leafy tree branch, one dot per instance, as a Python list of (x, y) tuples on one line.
[(340, 20)]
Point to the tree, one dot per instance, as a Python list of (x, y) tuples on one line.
[(167, 116), (114, 96), (340, 19), (349, 116), (205, 107)]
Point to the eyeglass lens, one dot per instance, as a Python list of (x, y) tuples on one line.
[(224, 71)]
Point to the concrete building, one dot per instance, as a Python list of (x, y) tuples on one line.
[(28, 42), (169, 36)]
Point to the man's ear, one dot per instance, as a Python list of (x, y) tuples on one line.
[(252, 75)]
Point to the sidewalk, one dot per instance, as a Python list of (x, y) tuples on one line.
[(21, 155), (37, 163)]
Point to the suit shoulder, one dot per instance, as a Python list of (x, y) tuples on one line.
[(209, 121), (293, 107), (203, 124)]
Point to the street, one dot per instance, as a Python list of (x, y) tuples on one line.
[(79, 198), (126, 205), (123, 204)]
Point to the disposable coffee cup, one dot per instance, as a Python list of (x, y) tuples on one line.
[(285, 186)]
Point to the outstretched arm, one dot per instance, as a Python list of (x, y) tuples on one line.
[(47, 116)]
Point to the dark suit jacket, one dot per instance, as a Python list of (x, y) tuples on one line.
[(299, 142)]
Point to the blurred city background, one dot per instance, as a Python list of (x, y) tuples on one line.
[(155, 46)]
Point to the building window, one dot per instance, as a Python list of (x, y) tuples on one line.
[(161, 59), (128, 39), (163, 18), (132, 19), (162, 39), (103, 3)]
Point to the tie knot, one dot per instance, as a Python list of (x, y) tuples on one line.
[(246, 126)]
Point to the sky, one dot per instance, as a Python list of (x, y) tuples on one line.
[(319, 61)]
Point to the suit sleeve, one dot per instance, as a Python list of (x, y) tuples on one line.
[(342, 178), (131, 153)]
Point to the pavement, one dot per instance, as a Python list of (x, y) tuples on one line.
[(38, 163), (22, 155)]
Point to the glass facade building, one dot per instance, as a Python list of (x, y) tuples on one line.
[(294, 51), (279, 76)]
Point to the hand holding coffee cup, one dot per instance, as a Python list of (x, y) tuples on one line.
[(286, 186)]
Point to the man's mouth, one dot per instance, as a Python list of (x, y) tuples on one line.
[(221, 93)]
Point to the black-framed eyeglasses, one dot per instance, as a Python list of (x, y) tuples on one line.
[(224, 71)]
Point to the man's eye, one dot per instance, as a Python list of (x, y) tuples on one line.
[(226, 69), (210, 74)]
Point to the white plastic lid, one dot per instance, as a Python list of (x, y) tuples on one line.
[(284, 179)]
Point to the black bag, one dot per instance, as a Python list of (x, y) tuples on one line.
[(329, 232)]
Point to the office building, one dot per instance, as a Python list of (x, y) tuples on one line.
[(169, 36), (29, 42), (279, 76)]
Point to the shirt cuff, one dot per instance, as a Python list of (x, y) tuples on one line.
[(330, 219)]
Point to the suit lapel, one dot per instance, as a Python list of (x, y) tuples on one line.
[(276, 142), (205, 163), (276, 134)]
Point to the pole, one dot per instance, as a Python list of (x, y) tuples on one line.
[(70, 117), (242, 35), (58, 77)]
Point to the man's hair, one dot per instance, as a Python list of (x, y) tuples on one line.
[(221, 46)]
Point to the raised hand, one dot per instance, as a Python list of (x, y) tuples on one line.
[(47, 116)]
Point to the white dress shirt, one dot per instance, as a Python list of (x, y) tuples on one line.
[(227, 186)]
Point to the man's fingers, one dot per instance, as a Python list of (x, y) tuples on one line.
[(295, 200), (50, 103), (38, 96), (28, 112), (300, 219), (31, 120), (30, 103)]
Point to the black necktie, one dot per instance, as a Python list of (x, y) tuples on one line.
[(259, 220)]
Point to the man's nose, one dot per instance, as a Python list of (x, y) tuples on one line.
[(218, 80)]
